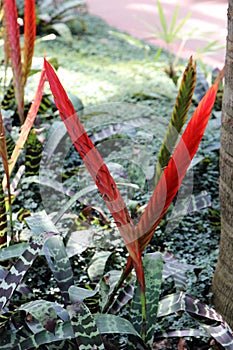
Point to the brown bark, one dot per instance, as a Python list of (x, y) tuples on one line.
[(223, 279)]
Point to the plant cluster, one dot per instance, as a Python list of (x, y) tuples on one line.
[(125, 304)]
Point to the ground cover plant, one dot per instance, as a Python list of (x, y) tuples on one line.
[(98, 306)]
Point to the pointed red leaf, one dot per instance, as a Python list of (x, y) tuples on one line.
[(26, 127), (13, 35), (29, 35), (97, 168), (6, 43), (174, 173)]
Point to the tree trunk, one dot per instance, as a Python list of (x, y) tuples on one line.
[(223, 279)]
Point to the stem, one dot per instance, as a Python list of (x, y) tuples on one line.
[(124, 275), (143, 301)]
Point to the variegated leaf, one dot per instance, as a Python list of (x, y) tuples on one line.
[(19, 269), (153, 266), (178, 118), (59, 264), (62, 331), (202, 313), (84, 326)]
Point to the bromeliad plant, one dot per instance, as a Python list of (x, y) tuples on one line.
[(12, 47), (136, 238), (72, 325)]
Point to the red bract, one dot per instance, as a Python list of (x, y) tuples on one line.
[(135, 239), (98, 170), (29, 35), (13, 36), (174, 173)]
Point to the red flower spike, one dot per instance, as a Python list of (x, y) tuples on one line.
[(174, 173), (13, 36), (29, 35), (98, 170), (27, 125)]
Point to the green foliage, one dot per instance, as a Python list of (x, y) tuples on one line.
[(175, 33), (84, 307), (153, 266), (63, 18)]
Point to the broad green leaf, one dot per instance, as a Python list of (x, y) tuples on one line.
[(13, 251), (98, 263), (222, 334), (59, 264), (18, 270), (181, 333), (43, 311), (172, 267), (62, 331), (125, 295), (153, 266), (54, 251), (201, 312), (78, 294), (64, 31), (111, 324), (41, 222), (79, 241), (84, 326), (107, 285)]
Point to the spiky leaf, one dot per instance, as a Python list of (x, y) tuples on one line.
[(178, 118)]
